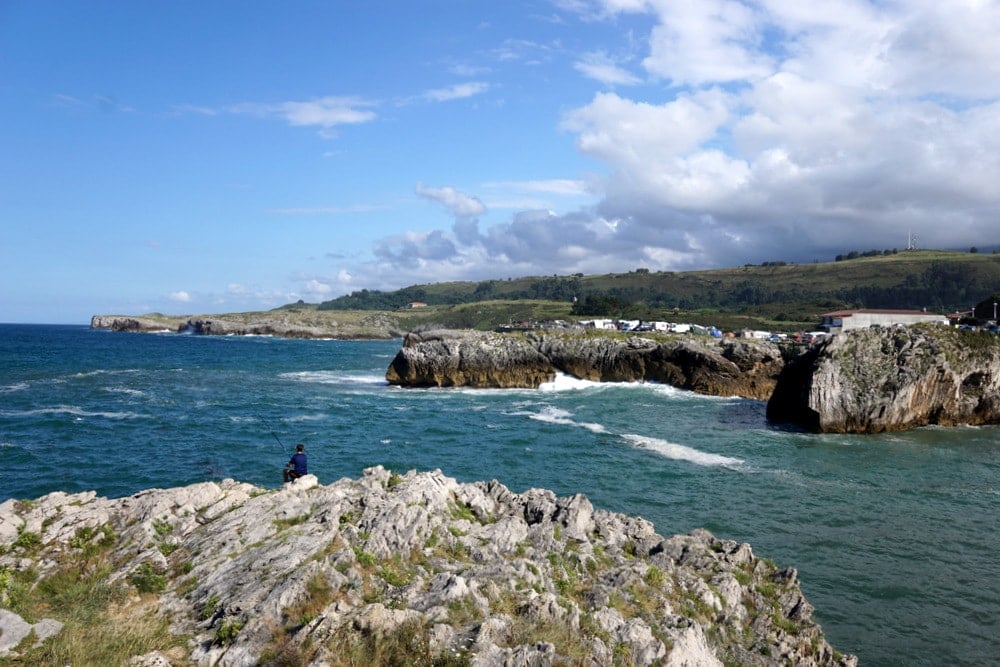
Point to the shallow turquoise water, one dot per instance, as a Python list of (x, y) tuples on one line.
[(895, 537)]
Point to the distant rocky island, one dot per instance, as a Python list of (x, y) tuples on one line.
[(375, 569)]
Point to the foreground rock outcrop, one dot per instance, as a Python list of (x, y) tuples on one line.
[(876, 380), (416, 565), (449, 358)]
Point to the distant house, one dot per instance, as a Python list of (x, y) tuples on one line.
[(845, 320), (416, 304)]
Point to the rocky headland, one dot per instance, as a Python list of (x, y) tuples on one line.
[(877, 380), (284, 324), (383, 568), (461, 358)]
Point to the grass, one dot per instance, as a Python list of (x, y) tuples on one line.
[(100, 626)]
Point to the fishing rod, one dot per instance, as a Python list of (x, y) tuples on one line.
[(280, 443), (271, 430)]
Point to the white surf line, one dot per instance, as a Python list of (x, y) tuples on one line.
[(672, 450)]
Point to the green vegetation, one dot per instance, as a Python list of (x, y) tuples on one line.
[(147, 579), (770, 293), (99, 628)]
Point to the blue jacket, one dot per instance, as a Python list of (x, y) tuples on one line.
[(299, 461)]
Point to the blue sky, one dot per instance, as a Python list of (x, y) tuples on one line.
[(204, 157)]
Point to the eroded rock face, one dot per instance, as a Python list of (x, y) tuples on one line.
[(489, 360), (871, 381), (469, 570)]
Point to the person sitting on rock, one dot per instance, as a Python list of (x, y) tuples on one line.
[(297, 465)]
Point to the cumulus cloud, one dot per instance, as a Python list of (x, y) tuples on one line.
[(180, 296), (800, 130), (773, 129)]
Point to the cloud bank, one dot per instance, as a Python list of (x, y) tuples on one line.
[(771, 130)]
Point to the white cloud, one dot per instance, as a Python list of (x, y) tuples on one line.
[(457, 92), (458, 203), (783, 130), (600, 67), (707, 41), (179, 296), (325, 113)]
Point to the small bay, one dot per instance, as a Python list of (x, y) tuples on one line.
[(895, 536)]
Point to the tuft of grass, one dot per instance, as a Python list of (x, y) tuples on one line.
[(147, 579), (281, 524), (408, 644), (461, 511), (27, 540), (365, 558), (228, 630), (162, 527)]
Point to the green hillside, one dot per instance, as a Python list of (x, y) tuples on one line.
[(785, 296)]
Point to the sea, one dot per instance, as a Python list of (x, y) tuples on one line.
[(895, 537)]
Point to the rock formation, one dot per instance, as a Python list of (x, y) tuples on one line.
[(449, 358), (418, 565), (273, 323), (875, 380)]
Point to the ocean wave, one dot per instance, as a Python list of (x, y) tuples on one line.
[(124, 390), (565, 382), (11, 388), (553, 415), (305, 418), (672, 450), (335, 377), (70, 410)]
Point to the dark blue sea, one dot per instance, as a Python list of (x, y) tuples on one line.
[(895, 537)]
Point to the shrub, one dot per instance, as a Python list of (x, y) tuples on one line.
[(147, 579)]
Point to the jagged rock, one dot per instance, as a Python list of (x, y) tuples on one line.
[(447, 358), (876, 380), (424, 562)]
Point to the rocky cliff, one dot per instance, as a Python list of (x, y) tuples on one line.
[(875, 380), (374, 569), (477, 359)]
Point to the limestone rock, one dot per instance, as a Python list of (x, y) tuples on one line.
[(13, 629), (421, 562), (447, 358), (871, 381)]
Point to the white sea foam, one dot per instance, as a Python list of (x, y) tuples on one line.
[(11, 388), (70, 410), (306, 418), (336, 377), (124, 390), (677, 452), (553, 415), (565, 382)]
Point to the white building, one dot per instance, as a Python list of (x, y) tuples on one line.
[(845, 320)]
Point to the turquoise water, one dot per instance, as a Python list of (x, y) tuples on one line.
[(895, 537)]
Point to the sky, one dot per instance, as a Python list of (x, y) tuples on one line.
[(205, 157)]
